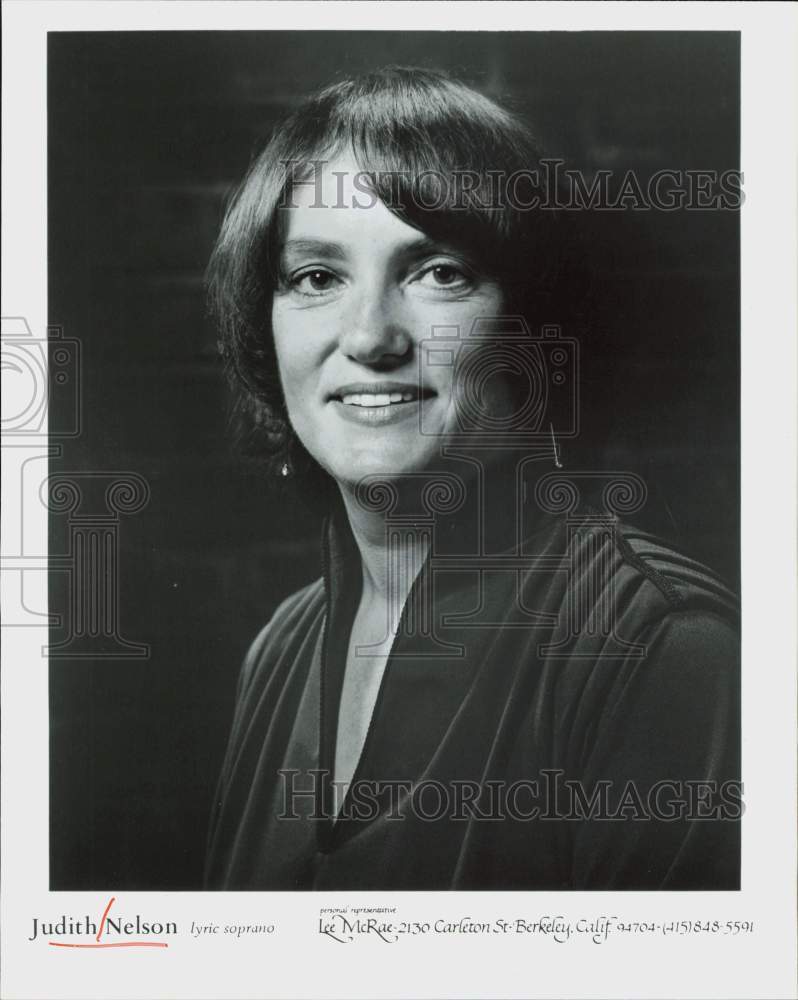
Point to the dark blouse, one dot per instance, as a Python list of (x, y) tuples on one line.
[(563, 714)]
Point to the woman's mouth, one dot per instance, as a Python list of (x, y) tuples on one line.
[(376, 399), (380, 404)]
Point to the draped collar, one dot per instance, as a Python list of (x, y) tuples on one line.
[(468, 518)]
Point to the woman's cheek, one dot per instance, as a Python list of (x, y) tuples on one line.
[(293, 346)]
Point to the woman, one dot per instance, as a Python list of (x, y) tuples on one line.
[(489, 687)]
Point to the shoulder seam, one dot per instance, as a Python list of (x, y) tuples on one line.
[(666, 588), (661, 582)]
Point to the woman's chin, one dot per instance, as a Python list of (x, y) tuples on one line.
[(385, 464)]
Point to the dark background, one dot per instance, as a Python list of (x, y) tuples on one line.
[(147, 133)]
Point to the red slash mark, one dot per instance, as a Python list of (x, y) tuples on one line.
[(111, 902), (121, 944)]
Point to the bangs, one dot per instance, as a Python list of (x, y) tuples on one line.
[(440, 156)]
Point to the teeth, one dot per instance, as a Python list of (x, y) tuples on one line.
[(376, 399)]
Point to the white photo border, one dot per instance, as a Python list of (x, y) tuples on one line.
[(296, 961)]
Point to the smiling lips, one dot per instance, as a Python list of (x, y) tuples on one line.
[(379, 395), (378, 399)]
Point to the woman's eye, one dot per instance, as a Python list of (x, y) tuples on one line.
[(316, 281), (445, 276)]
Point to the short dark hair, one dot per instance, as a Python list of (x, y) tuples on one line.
[(416, 134)]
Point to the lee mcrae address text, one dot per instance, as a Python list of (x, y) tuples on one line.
[(348, 927)]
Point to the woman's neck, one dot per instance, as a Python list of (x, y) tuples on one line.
[(390, 560)]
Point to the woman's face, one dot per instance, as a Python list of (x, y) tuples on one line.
[(360, 292)]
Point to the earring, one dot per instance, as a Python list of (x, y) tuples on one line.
[(285, 469), (555, 448)]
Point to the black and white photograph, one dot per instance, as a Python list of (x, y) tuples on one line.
[(386, 419), (436, 412)]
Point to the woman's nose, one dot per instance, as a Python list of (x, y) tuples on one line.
[(374, 331)]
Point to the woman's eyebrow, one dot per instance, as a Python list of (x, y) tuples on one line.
[(414, 249), (421, 247), (425, 246), (321, 248)]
